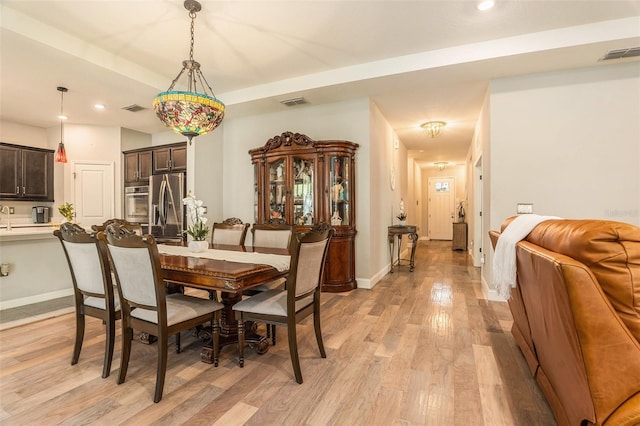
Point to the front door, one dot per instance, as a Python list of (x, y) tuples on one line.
[(93, 192), (441, 208)]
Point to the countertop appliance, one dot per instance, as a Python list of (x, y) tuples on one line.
[(136, 204), (41, 214), (166, 210)]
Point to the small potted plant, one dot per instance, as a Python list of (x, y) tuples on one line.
[(198, 230), (402, 217), (66, 210)]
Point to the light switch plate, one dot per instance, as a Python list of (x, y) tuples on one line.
[(525, 208)]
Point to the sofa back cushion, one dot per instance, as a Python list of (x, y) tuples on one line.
[(610, 249)]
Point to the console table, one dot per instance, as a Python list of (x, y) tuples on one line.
[(398, 231)]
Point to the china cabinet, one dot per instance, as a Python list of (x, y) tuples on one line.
[(302, 182)]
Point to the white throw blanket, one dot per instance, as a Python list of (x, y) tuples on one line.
[(504, 259), (278, 261)]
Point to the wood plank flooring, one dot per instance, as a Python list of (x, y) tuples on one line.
[(421, 348)]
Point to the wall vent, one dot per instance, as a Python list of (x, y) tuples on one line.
[(133, 108), (293, 102), (621, 53)]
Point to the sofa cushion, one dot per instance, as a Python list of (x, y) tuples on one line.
[(610, 249)]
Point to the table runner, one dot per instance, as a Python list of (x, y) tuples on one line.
[(278, 261)]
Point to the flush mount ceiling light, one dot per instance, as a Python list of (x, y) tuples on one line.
[(433, 127), (190, 113), (440, 165), (485, 5), (61, 153)]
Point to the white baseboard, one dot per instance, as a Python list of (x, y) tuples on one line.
[(489, 293), (371, 282), (14, 303)]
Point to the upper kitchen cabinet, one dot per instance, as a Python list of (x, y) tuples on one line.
[(170, 158), (137, 167), (26, 173)]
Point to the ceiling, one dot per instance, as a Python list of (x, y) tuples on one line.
[(416, 60)]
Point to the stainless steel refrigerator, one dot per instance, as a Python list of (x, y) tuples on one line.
[(166, 211)]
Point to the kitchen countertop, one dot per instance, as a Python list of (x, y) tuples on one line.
[(27, 231)]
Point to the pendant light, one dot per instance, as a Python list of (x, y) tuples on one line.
[(61, 153), (190, 113)]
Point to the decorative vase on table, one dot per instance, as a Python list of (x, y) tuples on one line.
[(198, 230), (198, 246), (403, 223)]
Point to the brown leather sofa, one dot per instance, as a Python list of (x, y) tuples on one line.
[(576, 312)]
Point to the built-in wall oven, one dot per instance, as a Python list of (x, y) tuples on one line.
[(136, 205)]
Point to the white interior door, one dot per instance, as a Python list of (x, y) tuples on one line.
[(94, 184), (441, 208)]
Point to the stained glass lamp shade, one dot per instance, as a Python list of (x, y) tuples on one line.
[(190, 113)]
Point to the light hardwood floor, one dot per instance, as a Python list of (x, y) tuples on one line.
[(421, 348)]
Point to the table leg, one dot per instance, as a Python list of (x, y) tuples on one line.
[(414, 239), (229, 330), (390, 237), (399, 246)]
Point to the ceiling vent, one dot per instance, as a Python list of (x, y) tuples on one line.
[(133, 108), (621, 53), (293, 102)]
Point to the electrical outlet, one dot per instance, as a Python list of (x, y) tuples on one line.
[(12, 210), (524, 208)]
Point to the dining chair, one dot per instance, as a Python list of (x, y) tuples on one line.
[(146, 306), (231, 231), (273, 235), (299, 299), (135, 227), (92, 287)]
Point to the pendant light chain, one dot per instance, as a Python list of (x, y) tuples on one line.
[(192, 15), (61, 116), (192, 78)]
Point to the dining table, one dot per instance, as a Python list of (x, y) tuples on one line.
[(230, 270)]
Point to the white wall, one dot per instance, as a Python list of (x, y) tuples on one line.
[(568, 142), (132, 139), (21, 134), (86, 143), (204, 176)]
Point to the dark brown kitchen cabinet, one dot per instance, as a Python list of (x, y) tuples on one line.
[(137, 166), (304, 182), (26, 173), (170, 158)]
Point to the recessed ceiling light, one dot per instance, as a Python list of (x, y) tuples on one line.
[(62, 117), (98, 106), (486, 5)]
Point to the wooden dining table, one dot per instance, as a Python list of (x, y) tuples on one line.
[(230, 278)]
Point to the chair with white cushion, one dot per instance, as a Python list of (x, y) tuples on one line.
[(300, 299), (230, 232), (146, 306), (271, 235), (92, 287)]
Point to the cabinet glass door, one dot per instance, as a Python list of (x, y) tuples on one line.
[(256, 176), (303, 197), (339, 194), (277, 189)]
